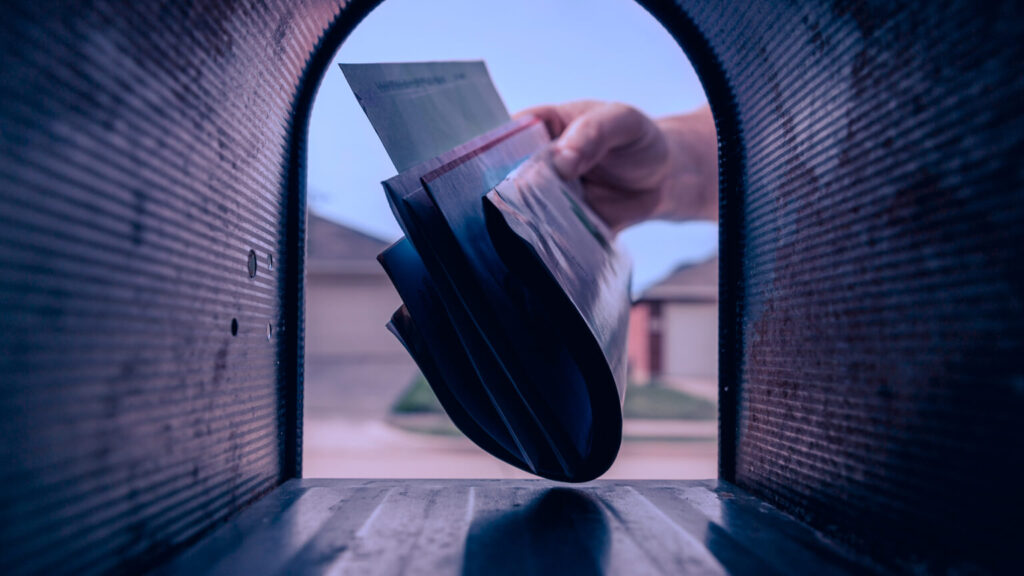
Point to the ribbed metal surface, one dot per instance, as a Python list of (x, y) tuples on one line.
[(875, 285), (146, 150), (498, 527)]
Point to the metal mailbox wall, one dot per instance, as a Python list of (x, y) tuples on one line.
[(873, 380), (872, 231), (150, 381)]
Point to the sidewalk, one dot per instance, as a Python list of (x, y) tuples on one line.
[(432, 424), (635, 429), (343, 448)]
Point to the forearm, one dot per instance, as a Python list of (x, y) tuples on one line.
[(690, 190)]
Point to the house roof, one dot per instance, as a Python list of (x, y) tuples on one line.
[(333, 247), (691, 282)]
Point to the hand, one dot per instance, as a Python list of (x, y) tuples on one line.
[(634, 168)]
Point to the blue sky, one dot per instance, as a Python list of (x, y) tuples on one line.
[(537, 52)]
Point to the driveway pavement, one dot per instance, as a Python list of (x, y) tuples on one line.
[(341, 448), (346, 434)]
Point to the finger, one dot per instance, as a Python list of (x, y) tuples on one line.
[(549, 115), (590, 137), (557, 117)]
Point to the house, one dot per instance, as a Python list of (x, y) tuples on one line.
[(354, 366), (673, 330)]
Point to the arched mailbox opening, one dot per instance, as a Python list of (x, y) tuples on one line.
[(366, 412)]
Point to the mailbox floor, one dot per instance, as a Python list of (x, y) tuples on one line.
[(441, 527)]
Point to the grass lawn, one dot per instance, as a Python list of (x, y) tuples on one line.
[(651, 401), (418, 398), (661, 403)]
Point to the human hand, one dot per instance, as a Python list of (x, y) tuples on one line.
[(632, 167)]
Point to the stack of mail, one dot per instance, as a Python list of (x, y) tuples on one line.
[(516, 298)]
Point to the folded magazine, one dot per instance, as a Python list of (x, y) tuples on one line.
[(515, 294)]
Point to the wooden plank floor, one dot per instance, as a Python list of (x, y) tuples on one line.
[(441, 527)]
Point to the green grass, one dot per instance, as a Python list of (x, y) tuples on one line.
[(436, 425), (660, 403), (651, 401), (418, 398)]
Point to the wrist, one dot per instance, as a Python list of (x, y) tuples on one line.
[(690, 188)]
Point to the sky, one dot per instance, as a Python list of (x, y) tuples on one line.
[(538, 52)]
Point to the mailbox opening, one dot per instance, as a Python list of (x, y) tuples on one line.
[(368, 412)]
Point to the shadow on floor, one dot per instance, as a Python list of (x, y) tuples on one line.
[(562, 531)]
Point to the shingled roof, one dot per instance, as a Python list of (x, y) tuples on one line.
[(688, 283), (334, 247)]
